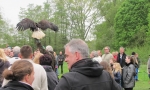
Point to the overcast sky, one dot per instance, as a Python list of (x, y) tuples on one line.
[(10, 8)]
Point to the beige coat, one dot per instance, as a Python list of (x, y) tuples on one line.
[(107, 57)]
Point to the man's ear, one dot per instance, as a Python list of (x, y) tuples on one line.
[(26, 78), (77, 55), (31, 56), (19, 55)]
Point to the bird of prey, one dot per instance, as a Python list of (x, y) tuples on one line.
[(26, 23)]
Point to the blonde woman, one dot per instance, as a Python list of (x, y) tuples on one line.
[(117, 72), (4, 64), (36, 57)]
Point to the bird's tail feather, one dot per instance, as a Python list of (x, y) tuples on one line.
[(38, 34)]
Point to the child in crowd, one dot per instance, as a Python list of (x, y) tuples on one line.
[(117, 72)]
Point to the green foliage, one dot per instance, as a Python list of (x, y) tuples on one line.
[(131, 23), (6, 33), (148, 19), (105, 31), (143, 83), (143, 52), (91, 45)]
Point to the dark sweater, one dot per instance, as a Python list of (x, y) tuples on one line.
[(16, 85), (51, 77)]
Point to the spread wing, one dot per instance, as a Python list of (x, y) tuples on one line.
[(44, 24), (25, 24)]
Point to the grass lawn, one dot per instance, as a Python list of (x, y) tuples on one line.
[(65, 67), (142, 84)]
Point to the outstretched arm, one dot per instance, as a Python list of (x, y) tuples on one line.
[(43, 51), (39, 46)]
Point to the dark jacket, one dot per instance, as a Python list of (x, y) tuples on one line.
[(60, 59), (15, 85), (3, 66), (117, 76), (128, 74), (138, 65), (51, 77), (87, 75), (42, 50), (121, 60)]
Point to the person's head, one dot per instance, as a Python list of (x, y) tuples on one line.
[(75, 50), (107, 67), (133, 53), (94, 54), (107, 49), (37, 57), (91, 54), (55, 54), (99, 52), (26, 52), (11, 54), (121, 50), (112, 60), (60, 52), (35, 52), (16, 51), (49, 48), (21, 70), (2, 55), (130, 59), (136, 55), (113, 53), (45, 60), (117, 67), (116, 52), (7, 51)]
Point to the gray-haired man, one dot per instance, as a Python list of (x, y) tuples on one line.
[(84, 74)]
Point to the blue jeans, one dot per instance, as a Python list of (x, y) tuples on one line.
[(136, 77)]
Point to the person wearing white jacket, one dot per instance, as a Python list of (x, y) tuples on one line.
[(95, 57)]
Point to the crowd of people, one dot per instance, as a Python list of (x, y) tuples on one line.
[(24, 69), (123, 68)]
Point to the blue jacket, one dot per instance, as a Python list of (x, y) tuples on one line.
[(117, 76)]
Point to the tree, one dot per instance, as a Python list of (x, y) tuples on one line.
[(81, 16), (105, 31), (148, 32), (6, 32), (131, 23)]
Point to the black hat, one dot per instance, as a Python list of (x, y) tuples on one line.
[(133, 53)]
